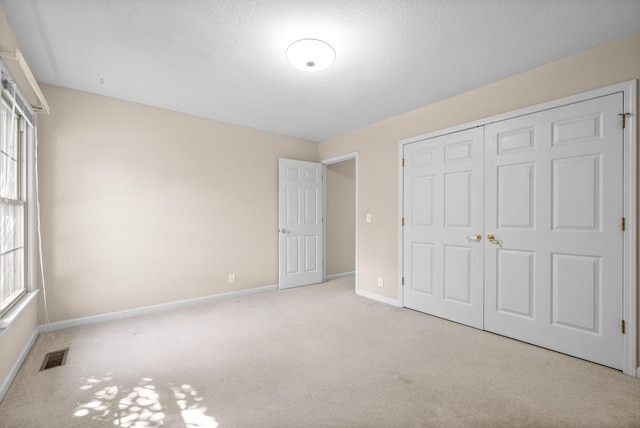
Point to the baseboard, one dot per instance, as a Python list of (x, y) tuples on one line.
[(4, 387), (76, 322), (638, 373), (378, 298), (340, 275)]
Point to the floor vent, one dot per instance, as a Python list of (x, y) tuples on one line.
[(54, 359)]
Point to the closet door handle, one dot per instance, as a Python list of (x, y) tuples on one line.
[(492, 239), (476, 237)]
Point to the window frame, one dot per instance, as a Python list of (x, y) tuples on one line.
[(13, 99)]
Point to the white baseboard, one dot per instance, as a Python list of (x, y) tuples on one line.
[(4, 387), (340, 275), (378, 298), (76, 322)]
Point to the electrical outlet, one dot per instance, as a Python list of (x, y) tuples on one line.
[(380, 281), (368, 218), (232, 278)]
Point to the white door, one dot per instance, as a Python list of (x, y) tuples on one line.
[(554, 190), (300, 203), (545, 191), (443, 188)]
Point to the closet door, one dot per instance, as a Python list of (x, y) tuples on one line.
[(553, 270), (443, 191)]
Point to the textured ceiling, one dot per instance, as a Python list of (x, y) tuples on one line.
[(225, 59)]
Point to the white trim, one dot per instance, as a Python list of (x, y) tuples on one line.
[(16, 311), (608, 90), (340, 275), (24, 107), (630, 237), (400, 227), (8, 380), (30, 176), (340, 158), (630, 306), (25, 71), (77, 322), (324, 222), (336, 159), (379, 298)]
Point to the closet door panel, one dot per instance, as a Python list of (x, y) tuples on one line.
[(553, 273), (443, 187)]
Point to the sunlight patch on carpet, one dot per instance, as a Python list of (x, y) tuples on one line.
[(141, 405), (193, 413)]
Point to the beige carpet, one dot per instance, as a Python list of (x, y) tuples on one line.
[(316, 356)]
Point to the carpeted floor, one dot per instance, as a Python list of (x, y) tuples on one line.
[(316, 356)]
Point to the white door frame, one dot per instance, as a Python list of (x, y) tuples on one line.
[(325, 162), (630, 292)]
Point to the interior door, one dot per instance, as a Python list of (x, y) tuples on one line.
[(300, 241), (554, 188), (443, 188)]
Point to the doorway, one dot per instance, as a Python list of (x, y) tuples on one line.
[(341, 208)]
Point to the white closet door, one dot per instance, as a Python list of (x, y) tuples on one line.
[(443, 188), (554, 188)]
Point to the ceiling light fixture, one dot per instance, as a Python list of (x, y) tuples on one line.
[(310, 55)]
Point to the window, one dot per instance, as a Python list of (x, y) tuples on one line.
[(16, 135)]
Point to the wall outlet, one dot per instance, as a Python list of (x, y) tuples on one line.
[(380, 281), (232, 278), (368, 218)]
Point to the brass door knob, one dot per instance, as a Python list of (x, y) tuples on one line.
[(492, 239)]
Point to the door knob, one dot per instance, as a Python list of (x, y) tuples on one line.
[(284, 231), (492, 239), (476, 237)]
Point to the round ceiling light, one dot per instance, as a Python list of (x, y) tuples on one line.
[(310, 55)]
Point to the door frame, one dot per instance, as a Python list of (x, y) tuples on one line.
[(630, 212), (325, 162)]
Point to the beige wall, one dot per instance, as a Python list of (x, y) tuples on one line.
[(14, 340), (142, 206), (340, 221)]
